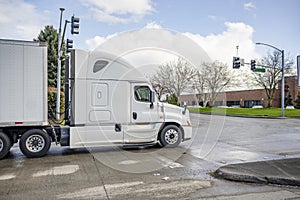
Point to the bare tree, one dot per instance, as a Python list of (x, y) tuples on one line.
[(173, 77), (160, 81), (216, 77), (269, 79), (200, 88)]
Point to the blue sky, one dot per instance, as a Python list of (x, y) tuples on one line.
[(217, 25)]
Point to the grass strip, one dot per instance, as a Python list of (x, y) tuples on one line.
[(267, 112)]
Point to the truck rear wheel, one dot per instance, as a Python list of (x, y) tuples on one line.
[(5, 145), (170, 136), (35, 143)]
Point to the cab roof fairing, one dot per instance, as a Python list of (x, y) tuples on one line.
[(117, 68)]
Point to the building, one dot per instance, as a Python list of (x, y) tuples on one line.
[(249, 98)]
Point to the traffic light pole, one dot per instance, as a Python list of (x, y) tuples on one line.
[(64, 32), (59, 67), (282, 78)]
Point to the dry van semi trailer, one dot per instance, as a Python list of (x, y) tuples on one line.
[(109, 103)]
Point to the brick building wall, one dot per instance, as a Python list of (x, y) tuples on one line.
[(249, 98), (291, 87)]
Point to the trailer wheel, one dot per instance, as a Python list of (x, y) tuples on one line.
[(35, 143), (4, 145), (170, 136)]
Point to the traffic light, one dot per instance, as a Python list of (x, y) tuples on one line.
[(69, 45), (236, 63), (74, 25), (252, 64)]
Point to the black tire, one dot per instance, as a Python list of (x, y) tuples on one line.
[(35, 143), (170, 136), (5, 145)]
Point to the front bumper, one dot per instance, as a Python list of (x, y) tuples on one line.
[(188, 132)]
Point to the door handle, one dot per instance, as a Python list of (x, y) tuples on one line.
[(134, 115), (118, 128)]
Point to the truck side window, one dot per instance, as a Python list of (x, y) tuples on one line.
[(100, 64), (142, 93)]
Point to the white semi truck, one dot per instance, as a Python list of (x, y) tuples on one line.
[(110, 103)]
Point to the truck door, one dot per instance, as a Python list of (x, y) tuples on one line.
[(146, 115)]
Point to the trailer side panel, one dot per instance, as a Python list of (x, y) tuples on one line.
[(23, 83)]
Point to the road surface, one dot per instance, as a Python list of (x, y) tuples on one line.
[(155, 173)]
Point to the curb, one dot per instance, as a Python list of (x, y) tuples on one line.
[(262, 172), (221, 174)]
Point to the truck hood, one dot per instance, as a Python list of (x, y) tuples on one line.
[(174, 113), (172, 108)]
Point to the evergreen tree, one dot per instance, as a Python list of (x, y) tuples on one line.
[(288, 100), (297, 102), (172, 99), (50, 36)]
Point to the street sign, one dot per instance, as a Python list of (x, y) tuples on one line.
[(259, 70)]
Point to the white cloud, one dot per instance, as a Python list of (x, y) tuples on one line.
[(249, 6), (222, 46), (119, 11), (94, 42), (153, 25), (20, 20)]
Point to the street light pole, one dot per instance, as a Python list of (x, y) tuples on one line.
[(282, 78), (58, 67), (282, 84)]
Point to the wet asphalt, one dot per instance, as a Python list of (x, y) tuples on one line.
[(154, 173)]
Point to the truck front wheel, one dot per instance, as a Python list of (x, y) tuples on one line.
[(5, 145), (35, 143), (170, 136)]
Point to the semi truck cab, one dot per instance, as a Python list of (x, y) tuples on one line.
[(115, 105)]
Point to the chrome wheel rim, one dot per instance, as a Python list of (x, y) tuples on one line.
[(1, 145), (35, 143), (171, 136)]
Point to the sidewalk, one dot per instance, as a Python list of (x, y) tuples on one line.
[(282, 172)]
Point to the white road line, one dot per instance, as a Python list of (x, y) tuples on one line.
[(129, 162), (7, 177), (166, 162), (98, 191), (60, 170), (139, 189)]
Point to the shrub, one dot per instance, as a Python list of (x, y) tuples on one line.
[(52, 102), (297, 102)]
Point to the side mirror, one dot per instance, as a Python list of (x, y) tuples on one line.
[(152, 99), (163, 98), (184, 108)]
